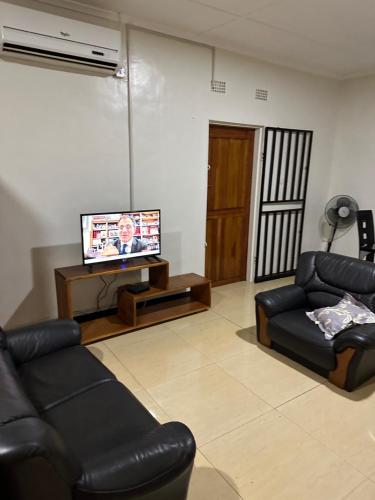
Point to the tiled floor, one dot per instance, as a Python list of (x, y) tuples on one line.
[(266, 428)]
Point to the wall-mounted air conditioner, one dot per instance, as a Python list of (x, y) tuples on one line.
[(28, 34)]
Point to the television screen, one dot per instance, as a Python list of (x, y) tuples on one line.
[(121, 235)]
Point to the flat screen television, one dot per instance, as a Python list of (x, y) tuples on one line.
[(114, 236)]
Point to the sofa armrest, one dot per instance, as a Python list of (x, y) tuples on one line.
[(156, 458), (30, 438), (281, 299), (34, 341), (360, 336)]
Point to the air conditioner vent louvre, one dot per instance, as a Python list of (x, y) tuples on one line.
[(11, 47), (218, 86)]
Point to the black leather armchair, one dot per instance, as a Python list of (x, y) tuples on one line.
[(69, 430), (321, 280)]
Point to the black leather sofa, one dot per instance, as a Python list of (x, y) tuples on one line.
[(70, 430), (321, 280)]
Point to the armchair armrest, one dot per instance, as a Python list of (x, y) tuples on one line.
[(157, 457), (360, 336), (34, 341), (281, 299)]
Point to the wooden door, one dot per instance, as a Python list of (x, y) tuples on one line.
[(228, 203)]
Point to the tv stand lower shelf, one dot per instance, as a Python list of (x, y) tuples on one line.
[(167, 299), (152, 307)]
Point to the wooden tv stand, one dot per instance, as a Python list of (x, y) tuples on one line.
[(168, 297)]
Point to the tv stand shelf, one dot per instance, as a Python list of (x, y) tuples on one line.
[(168, 298)]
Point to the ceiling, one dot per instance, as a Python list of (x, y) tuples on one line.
[(331, 37)]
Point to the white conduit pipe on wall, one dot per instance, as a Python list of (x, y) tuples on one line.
[(125, 34)]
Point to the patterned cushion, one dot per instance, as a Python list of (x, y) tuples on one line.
[(333, 320)]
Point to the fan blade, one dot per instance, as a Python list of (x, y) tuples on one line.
[(343, 202), (332, 216), (348, 221), (352, 217)]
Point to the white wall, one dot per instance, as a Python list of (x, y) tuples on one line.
[(169, 96), (64, 151), (353, 170), (172, 106), (296, 100)]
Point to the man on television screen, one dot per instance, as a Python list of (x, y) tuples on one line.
[(126, 242)]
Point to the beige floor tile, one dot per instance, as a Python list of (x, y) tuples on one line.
[(207, 484), (234, 289), (343, 421), (233, 286), (222, 304), (160, 358), (236, 299), (226, 305), (193, 319), (106, 356), (242, 315), (207, 371), (271, 376), (273, 458), (241, 297), (217, 299), (217, 339), (209, 401), (365, 491), (246, 287), (152, 406), (269, 285), (130, 338)]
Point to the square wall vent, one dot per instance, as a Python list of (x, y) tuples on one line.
[(218, 86), (261, 95)]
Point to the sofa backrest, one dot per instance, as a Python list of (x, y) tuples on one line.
[(30, 449), (2, 339), (326, 277), (14, 403)]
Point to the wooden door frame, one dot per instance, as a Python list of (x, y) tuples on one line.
[(254, 192)]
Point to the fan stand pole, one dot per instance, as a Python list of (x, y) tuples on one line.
[(331, 238)]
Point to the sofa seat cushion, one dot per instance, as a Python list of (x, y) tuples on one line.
[(296, 332), (98, 426), (50, 380)]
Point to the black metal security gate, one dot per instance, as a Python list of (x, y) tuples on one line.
[(286, 161)]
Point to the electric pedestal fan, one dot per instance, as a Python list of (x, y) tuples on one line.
[(341, 213)]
